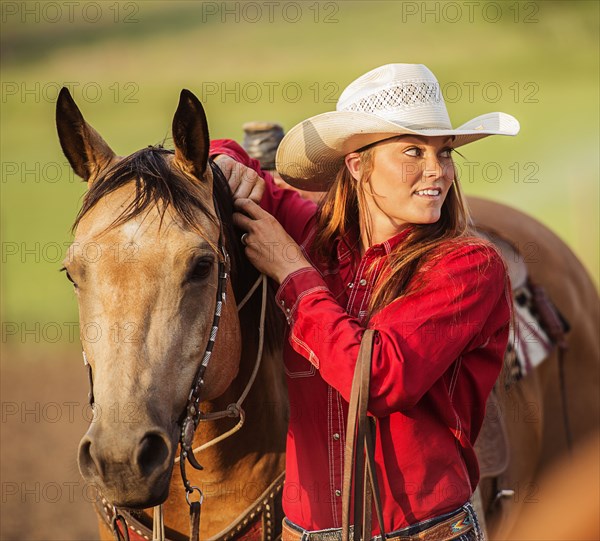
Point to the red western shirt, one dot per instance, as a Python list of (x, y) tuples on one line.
[(436, 357)]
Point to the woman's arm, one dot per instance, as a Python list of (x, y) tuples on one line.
[(419, 337)]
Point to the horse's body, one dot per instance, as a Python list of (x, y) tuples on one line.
[(532, 407), (162, 300)]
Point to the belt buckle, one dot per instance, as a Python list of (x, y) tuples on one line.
[(461, 524)]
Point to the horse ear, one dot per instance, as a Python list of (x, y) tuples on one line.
[(83, 146), (190, 134)]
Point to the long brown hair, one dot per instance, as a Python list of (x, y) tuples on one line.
[(340, 212)]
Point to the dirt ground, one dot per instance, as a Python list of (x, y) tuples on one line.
[(44, 415)]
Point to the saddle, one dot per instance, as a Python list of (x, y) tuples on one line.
[(537, 328)]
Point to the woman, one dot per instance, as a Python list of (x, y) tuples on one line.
[(389, 249)]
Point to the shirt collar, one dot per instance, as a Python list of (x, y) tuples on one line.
[(350, 243)]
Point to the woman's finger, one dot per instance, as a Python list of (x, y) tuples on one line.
[(227, 165), (248, 179), (257, 190), (242, 221), (250, 208)]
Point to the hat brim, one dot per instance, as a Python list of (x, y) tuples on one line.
[(312, 152)]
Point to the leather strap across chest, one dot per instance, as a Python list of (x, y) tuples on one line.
[(261, 521)]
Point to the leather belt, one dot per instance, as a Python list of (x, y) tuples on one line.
[(448, 529)]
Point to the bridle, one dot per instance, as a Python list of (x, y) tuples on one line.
[(192, 415), (192, 409)]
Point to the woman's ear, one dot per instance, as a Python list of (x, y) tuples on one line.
[(353, 164)]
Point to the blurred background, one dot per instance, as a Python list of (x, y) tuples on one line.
[(125, 64)]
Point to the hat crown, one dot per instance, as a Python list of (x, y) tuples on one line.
[(407, 94)]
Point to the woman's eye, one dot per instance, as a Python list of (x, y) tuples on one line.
[(413, 151), (446, 153)]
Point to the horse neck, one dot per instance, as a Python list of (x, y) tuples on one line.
[(240, 468), (266, 404), (265, 407)]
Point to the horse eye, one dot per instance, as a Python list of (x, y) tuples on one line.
[(68, 276), (200, 270)]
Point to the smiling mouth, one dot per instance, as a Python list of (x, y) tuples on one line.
[(429, 192)]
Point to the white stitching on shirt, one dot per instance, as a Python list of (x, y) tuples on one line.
[(365, 295), (369, 287), (355, 289), (306, 292), (301, 374), (330, 450), (312, 358), (341, 447), (291, 275)]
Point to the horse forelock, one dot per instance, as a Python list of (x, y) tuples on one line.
[(158, 183)]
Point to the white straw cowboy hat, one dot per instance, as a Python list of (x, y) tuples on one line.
[(394, 99)]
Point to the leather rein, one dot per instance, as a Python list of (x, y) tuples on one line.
[(192, 415)]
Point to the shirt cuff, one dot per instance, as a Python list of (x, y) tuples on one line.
[(297, 285)]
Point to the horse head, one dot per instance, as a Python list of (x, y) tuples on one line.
[(145, 268)]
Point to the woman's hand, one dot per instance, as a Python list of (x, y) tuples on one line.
[(269, 248), (243, 181)]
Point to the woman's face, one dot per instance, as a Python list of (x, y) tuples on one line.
[(410, 179)]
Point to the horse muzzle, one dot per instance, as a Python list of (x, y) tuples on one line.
[(130, 468)]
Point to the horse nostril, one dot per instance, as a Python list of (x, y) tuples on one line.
[(87, 464), (152, 453)]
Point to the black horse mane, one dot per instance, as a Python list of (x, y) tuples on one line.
[(158, 183)]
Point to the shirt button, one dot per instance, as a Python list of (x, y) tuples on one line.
[(363, 282), (350, 285), (336, 436), (338, 492), (282, 303)]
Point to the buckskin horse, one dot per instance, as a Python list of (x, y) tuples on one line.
[(166, 347), (162, 300)]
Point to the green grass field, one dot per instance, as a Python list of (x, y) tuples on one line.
[(127, 62)]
